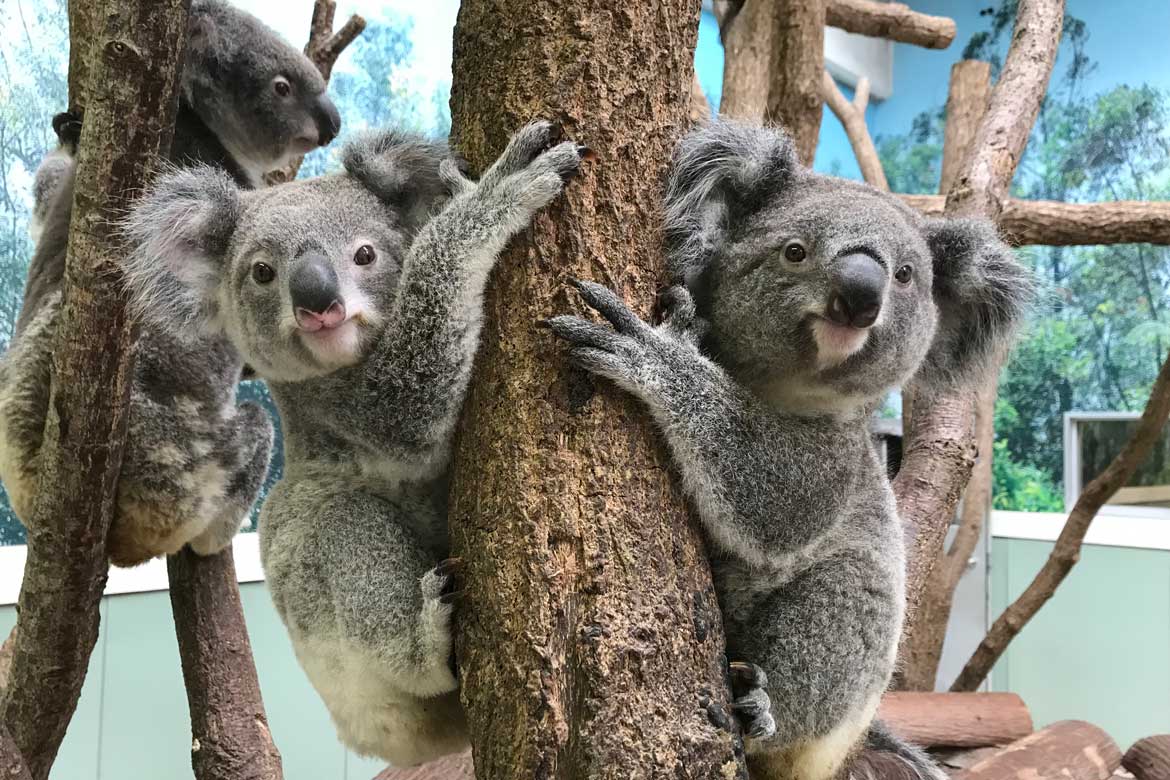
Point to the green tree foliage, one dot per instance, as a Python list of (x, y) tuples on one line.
[(1101, 330)]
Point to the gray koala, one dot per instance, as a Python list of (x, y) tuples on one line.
[(804, 300), (359, 297), (195, 461)]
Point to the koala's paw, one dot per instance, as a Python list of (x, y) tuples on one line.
[(637, 357), (534, 168), (752, 705), (440, 584)]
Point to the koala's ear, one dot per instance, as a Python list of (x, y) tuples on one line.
[(721, 171), (178, 235), (401, 169), (982, 293)]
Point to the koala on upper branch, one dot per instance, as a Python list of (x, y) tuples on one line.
[(194, 460), (359, 297), (804, 299), (55, 168)]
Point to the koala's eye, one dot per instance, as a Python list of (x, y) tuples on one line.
[(365, 255), (794, 252), (282, 87), (263, 273), (903, 274)]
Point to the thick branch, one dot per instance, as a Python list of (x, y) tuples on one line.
[(1068, 749), (892, 21), (1052, 223), (323, 48), (230, 737), (968, 96), (981, 187), (590, 640), (130, 108), (957, 720), (852, 116), (940, 450), (1149, 758), (797, 66), (1067, 550)]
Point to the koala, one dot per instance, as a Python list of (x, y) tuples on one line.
[(194, 461), (358, 296), (53, 170), (800, 301)]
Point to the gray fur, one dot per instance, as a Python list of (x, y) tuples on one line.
[(351, 536), (195, 461), (764, 404)]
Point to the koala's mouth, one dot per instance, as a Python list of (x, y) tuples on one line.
[(334, 345), (836, 342)]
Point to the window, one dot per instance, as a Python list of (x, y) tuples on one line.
[(1092, 440)]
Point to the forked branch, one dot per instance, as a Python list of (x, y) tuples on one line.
[(852, 117)]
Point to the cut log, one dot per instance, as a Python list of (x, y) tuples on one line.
[(1149, 758), (956, 720), (447, 768), (892, 21), (1066, 750)]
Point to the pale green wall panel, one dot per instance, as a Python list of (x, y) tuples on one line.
[(146, 731), (1100, 649), (300, 723)]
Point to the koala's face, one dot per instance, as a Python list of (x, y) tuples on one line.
[(310, 275), (301, 277), (826, 290), (262, 98), (823, 293)]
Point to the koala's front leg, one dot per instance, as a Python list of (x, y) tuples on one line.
[(422, 364), (765, 485)]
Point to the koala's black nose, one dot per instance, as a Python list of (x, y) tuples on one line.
[(328, 120), (859, 283), (313, 284)]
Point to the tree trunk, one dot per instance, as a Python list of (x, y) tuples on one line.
[(798, 65), (590, 642), (229, 728), (130, 107)]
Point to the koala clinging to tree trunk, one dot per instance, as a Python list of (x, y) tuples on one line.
[(804, 300), (362, 308), (194, 460)]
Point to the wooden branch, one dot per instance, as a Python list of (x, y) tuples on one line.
[(229, 728), (956, 720), (967, 99), (796, 68), (323, 48), (1052, 223), (1066, 750), (940, 451), (130, 108), (981, 187), (892, 21), (1149, 758), (1067, 550), (447, 768), (852, 116)]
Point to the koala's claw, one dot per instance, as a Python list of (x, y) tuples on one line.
[(745, 676), (606, 303), (752, 705), (449, 566)]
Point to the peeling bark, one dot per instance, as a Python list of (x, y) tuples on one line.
[(590, 642), (130, 107)]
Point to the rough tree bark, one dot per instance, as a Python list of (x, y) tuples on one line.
[(323, 48), (130, 107), (1067, 550), (967, 99), (939, 450), (229, 728), (1066, 750), (774, 54), (1052, 223), (590, 641)]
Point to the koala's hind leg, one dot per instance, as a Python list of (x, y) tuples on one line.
[(243, 451), (826, 642)]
